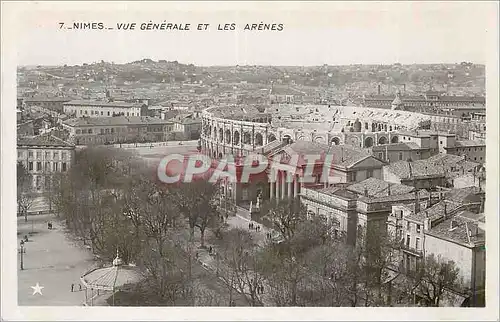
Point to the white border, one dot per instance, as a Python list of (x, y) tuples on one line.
[(10, 310)]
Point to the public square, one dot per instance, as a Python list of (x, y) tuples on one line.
[(53, 261)]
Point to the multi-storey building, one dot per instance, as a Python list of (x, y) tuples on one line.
[(107, 108), (44, 155), (118, 129), (449, 228)]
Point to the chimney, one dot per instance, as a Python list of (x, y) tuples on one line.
[(453, 224), (378, 91), (427, 223), (417, 202)]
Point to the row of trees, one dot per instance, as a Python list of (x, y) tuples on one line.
[(110, 200)]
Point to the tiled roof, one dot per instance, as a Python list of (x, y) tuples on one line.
[(102, 103), (402, 146), (469, 143), (417, 169), (42, 140), (115, 120), (422, 194), (464, 223), (434, 212), (379, 188), (464, 195), (342, 155)]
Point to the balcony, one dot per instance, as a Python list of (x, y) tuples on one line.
[(411, 250)]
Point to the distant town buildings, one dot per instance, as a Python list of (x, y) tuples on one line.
[(89, 108)]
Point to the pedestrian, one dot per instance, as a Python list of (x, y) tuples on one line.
[(72, 287)]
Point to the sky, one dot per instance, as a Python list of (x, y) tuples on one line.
[(332, 33)]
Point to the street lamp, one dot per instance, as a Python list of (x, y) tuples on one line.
[(23, 250)]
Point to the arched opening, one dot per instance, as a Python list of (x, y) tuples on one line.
[(271, 138), (258, 139), (247, 138), (236, 138), (336, 141), (374, 127), (390, 128), (368, 142), (382, 140), (220, 155), (215, 154), (394, 139), (366, 125), (221, 135), (228, 136), (287, 139)]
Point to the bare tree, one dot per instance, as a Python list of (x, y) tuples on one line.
[(285, 216), (197, 201), (25, 192), (437, 278)]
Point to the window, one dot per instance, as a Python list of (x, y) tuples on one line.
[(78, 131), (55, 155), (86, 112), (64, 155), (30, 154), (102, 113), (418, 228), (47, 155), (90, 131), (407, 225), (380, 155), (30, 166), (47, 166), (64, 166), (37, 182), (369, 173), (417, 243), (108, 113), (400, 156), (102, 131), (56, 166), (440, 142), (39, 155), (408, 240), (19, 154), (39, 166)]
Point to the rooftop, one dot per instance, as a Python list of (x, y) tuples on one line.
[(102, 103), (416, 169), (379, 188), (115, 120), (342, 155), (43, 140), (462, 228)]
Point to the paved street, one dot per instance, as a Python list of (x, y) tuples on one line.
[(53, 261)]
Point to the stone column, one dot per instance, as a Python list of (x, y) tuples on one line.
[(289, 179), (277, 184), (271, 184), (283, 186), (296, 186)]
